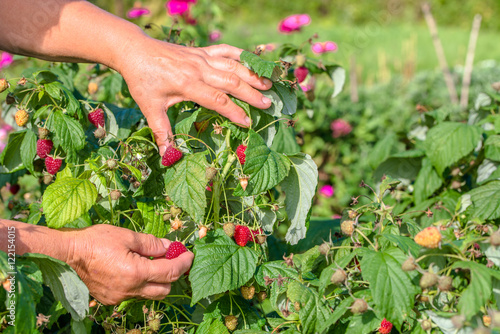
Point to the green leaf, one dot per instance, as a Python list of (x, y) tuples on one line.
[(28, 150), (288, 96), (277, 104), (284, 141), (68, 132), (492, 148), (300, 187), (427, 182), (486, 200), (183, 127), (406, 244), (272, 270), (185, 183), (306, 260), (53, 89), (153, 222), (10, 159), (263, 68), (314, 312), (448, 142), (210, 326), (220, 266), (65, 284), (66, 200), (265, 167), (338, 76), (382, 150), (363, 323), (337, 314), (392, 289), (398, 168), (477, 294), (111, 126)]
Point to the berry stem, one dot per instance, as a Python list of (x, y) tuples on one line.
[(364, 236), (218, 184)]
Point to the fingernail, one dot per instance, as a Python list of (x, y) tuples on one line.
[(162, 149), (248, 121), (267, 82), (266, 100)]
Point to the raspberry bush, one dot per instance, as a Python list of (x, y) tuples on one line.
[(417, 250)]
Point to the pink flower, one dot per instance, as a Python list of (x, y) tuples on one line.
[(322, 47), (336, 216), (340, 128), (6, 59), (137, 12), (301, 73), (178, 7), (327, 191), (4, 134), (214, 36), (293, 23)]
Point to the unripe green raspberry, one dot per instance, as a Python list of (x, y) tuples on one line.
[(338, 276), (428, 280), (409, 264), (445, 283), (426, 325), (359, 306), (324, 248)]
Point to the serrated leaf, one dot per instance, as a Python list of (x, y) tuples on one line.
[(314, 312), (427, 182), (265, 167), (65, 284), (272, 270), (136, 172), (220, 266), (185, 183), (182, 128), (476, 295), (448, 142), (398, 168), (492, 148), (284, 141), (363, 323), (486, 200), (288, 96), (68, 132), (277, 104), (300, 187), (382, 150), (407, 245), (153, 223), (337, 313), (67, 199), (28, 150), (10, 159), (210, 326), (53, 89), (263, 68), (392, 289)]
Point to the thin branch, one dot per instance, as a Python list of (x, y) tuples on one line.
[(469, 61)]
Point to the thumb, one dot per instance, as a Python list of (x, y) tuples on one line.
[(148, 245)]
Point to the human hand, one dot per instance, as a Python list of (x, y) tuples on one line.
[(114, 263), (161, 74)]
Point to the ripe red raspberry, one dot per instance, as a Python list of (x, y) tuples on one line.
[(242, 235), (96, 117), (14, 188), (53, 165), (240, 152), (21, 117), (43, 147), (171, 156), (175, 249), (301, 73), (429, 237), (258, 236), (385, 327)]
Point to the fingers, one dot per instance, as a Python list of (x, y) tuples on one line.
[(241, 71), (224, 50), (230, 83), (162, 270), (154, 291), (148, 245), (156, 115), (214, 99)]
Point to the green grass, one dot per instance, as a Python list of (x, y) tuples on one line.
[(381, 51)]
